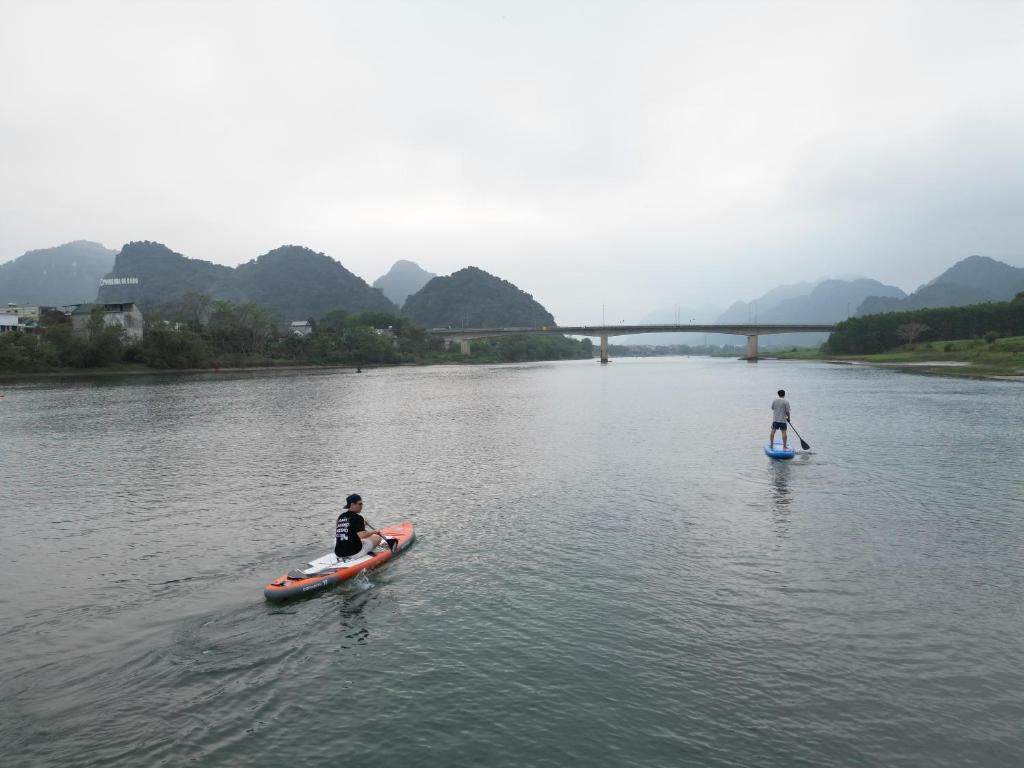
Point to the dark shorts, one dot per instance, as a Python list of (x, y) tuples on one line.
[(779, 425)]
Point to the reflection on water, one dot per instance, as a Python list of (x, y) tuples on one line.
[(780, 495), (604, 553), (779, 471)]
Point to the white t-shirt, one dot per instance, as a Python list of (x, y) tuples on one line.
[(780, 409)]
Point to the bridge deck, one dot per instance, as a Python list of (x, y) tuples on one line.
[(744, 329)]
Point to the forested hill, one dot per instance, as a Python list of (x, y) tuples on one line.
[(67, 274), (972, 280), (294, 282), (997, 277), (872, 334), (165, 277), (474, 298), (402, 280), (298, 283)]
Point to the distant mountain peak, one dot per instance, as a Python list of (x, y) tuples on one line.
[(402, 280), (979, 272)]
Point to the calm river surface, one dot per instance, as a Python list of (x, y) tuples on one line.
[(609, 571)]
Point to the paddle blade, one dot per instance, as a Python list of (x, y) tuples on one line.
[(804, 445)]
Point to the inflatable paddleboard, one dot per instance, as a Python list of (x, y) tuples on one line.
[(329, 570), (776, 452)]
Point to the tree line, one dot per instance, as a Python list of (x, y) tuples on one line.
[(872, 334), (202, 333)]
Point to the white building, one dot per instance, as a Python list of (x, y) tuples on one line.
[(9, 323), (27, 313), (300, 327), (128, 316)]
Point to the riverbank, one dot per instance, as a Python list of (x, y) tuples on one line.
[(976, 358), (138, 369)]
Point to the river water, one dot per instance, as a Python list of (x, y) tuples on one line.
[(608, 572)]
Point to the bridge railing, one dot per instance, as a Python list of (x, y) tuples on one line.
[(751, 330), (731, 329)]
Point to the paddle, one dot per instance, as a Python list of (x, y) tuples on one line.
[(803, 443), (392, 543)]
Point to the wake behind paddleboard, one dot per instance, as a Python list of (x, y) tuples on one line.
[(329, 570), (776, 451)]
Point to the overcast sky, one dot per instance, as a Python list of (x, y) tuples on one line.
[(636, 155)]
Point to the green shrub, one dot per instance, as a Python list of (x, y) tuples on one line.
[(25, 352)]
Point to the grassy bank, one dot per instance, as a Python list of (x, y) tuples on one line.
[(961, 357)]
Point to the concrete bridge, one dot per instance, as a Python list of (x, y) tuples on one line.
[(751, 331)]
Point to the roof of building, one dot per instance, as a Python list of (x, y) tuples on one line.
[(120, 306)]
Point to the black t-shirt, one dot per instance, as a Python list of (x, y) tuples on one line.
[(346, 530)]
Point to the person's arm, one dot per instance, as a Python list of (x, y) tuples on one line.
[(359, 526)]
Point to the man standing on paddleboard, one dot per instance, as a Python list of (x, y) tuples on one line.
[(780, 416), (351, 539)]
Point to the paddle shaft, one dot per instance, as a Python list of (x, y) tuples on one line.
[(803, 443), (385, 539)]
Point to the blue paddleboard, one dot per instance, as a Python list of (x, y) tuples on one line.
[(775, 451)]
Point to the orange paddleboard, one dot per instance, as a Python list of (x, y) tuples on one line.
[(329, 570)]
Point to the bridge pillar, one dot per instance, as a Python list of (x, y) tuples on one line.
[(464, 346), (604, 349), (752, 348)]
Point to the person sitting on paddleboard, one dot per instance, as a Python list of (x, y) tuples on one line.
[(351, 539), (780, 415)]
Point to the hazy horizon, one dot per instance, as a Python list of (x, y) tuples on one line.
[(596, 155)]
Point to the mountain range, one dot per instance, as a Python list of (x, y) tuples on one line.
[(299, 283), (295, 282), (972, 280), (828, 301), (823, 301)]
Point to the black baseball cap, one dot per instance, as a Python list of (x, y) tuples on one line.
[(352, 499)]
